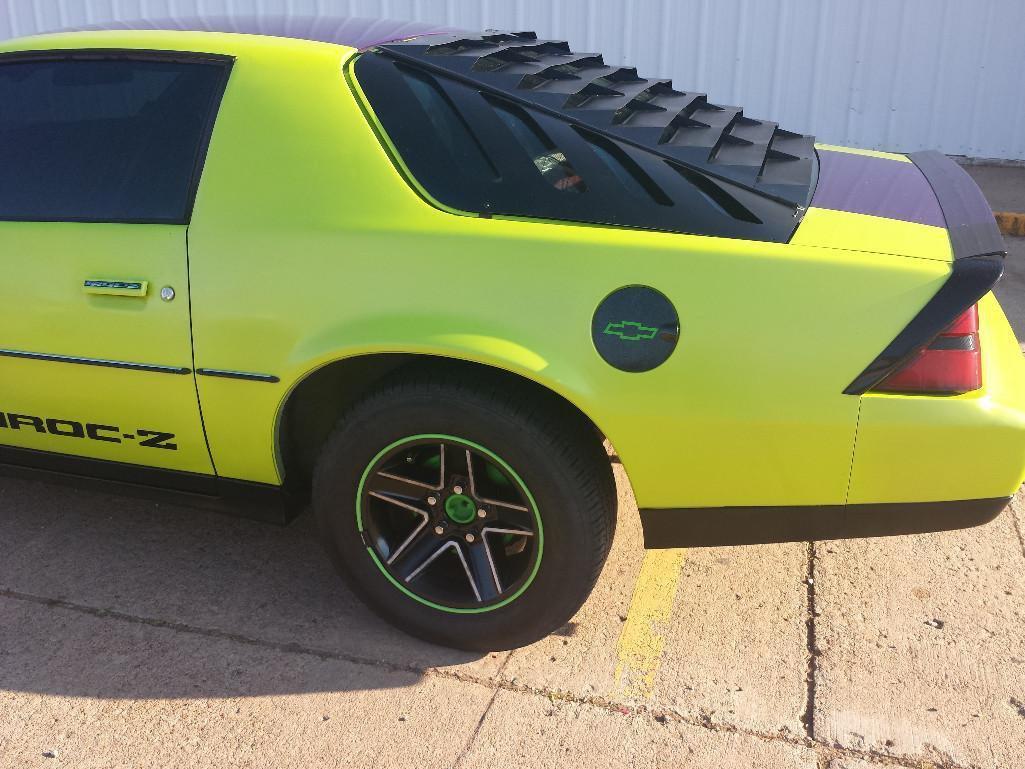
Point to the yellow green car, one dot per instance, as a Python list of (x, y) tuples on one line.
[(432, 283)]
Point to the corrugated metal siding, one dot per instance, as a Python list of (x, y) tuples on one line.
[(879, 74)]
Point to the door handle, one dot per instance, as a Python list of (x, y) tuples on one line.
[(116, 287)]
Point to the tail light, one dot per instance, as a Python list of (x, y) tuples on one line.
[(949, 365)]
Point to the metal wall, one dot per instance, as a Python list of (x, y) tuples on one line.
[(881, 74)]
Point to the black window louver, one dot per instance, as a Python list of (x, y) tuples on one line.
[(647, 155), (614, 100)]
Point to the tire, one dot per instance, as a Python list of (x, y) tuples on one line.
[(522, 458)]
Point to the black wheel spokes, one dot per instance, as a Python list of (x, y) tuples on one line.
[(482, 572), (420, 521), (402, 480), (490, 533), (467, 554), (456, 548), (473, 488), (407, 563)]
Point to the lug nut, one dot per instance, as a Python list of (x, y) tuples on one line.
[(470, 538), (457, 489), (432, 500), (482, 513), (439, 530)]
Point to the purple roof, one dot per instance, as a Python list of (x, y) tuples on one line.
[(864, 184), (354, 31)]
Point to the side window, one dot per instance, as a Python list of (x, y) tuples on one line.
[(104, 139), (482, 151)]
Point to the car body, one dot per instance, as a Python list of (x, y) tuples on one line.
[(307, 257)]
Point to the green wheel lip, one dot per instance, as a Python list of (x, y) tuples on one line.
[(505, 466)]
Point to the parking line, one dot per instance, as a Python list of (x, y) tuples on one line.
[(639, 652)]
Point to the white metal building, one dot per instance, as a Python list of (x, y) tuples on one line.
[(882, 74)]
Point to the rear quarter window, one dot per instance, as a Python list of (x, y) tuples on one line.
[(479, 151)]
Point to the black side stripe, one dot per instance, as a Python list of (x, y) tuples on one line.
[(248, 376), (151, 367)]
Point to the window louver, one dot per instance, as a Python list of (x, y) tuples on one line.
[(649, 113)]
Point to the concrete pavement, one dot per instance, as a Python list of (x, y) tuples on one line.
[(1004, 186), (133, 633), (140, 634)]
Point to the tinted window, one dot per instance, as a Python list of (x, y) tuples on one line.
[(626, 172), (103, 139), (447, 127), (550, 161), (482, 152)]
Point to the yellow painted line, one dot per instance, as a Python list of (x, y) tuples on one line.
[(639, 652)]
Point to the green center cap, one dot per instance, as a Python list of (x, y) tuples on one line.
[(460, 508)]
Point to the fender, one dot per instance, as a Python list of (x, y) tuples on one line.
[(495, 352)]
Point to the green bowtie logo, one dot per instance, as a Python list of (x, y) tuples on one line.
[(631, 331)]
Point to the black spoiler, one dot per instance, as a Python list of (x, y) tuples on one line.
[(979, 252), (969, 218)]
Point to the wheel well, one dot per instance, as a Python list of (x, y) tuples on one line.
[(317, 403)]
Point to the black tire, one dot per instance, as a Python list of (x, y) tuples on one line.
[(554, 452)]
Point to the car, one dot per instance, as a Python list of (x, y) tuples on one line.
[(435, 284)]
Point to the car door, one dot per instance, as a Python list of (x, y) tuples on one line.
[(100, 155)]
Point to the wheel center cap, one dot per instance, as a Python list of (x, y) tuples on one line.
[(460, 508)]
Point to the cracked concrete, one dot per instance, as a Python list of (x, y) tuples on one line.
[(919, 653)]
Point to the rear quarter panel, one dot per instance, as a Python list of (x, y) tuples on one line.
[(308, 246)]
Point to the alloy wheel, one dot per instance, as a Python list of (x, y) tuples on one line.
[(449, 523)]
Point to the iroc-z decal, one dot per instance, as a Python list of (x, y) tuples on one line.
[(92, 431), (635, 328)]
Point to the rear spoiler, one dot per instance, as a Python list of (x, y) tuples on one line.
[(978, 249), (969, 218)]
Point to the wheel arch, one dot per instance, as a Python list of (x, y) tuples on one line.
[(316, 401)]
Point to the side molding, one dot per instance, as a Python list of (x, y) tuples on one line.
[(51, 358), (246, 375)]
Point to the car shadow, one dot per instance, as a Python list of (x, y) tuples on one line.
[(108, 596)]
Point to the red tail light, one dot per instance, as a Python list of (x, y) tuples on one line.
[(949, 365)]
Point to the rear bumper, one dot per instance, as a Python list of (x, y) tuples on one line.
[(715, 526)]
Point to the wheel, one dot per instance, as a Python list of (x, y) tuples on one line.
[(464, 512)]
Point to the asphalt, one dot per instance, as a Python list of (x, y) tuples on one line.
[(141, 634)]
